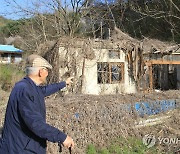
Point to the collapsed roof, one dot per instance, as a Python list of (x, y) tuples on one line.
[(147, 45)]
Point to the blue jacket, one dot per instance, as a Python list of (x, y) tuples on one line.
[(25, 129)]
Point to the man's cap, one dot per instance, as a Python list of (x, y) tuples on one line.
[(37, 61)]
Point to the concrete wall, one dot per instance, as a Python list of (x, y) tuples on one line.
[(92, 87), (18, 59), (90, 82)]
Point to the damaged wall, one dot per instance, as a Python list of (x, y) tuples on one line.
[(87, 70)]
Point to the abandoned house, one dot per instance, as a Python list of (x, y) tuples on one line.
[(97, 67), (10, 54), (163, 64), (118, 65)]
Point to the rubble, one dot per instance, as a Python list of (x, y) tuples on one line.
[(97, 120)]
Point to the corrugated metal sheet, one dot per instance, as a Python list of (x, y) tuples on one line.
[(9, 48)]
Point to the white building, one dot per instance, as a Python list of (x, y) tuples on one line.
[(98, 68), (10, 54)]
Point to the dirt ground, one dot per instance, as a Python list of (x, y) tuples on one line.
[(92, 119)]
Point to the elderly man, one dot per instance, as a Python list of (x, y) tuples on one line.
[(25, 129)]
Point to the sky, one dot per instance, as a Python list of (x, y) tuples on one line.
[(8, 11), (12, 11)]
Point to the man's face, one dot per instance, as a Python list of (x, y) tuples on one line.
[(43, 73)]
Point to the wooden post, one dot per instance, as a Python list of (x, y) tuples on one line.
[(83, 70), (150, 77), (101, 30), (110, 73)]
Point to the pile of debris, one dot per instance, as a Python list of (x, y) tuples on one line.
[(98, 120)]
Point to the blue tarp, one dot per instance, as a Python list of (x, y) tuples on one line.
[(147, 108), (156, 107), (9, 48), (150, 108)]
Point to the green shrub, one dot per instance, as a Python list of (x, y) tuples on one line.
[(9, 74), (91, 149), (104, 151)]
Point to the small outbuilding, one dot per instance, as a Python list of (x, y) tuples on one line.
[(10, 54)]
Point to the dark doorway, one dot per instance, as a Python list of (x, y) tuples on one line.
[(165, 77)]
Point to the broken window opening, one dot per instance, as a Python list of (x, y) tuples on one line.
[(109, 73), (114, 54)]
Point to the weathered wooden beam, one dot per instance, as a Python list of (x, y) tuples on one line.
[(110, 72), (150, 77), (161, 62), (83, 74)]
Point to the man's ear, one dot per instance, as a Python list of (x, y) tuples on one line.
[(40, 73)]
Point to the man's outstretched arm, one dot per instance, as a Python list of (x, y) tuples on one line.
[(52, 88)]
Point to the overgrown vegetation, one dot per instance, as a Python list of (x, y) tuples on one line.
[(9, 74), (12, 28), (123, 145), (3, 21)]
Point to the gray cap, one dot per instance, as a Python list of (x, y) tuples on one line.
[(37, 61)]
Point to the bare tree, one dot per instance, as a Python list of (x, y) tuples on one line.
[(166, 11), (48, 20)]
